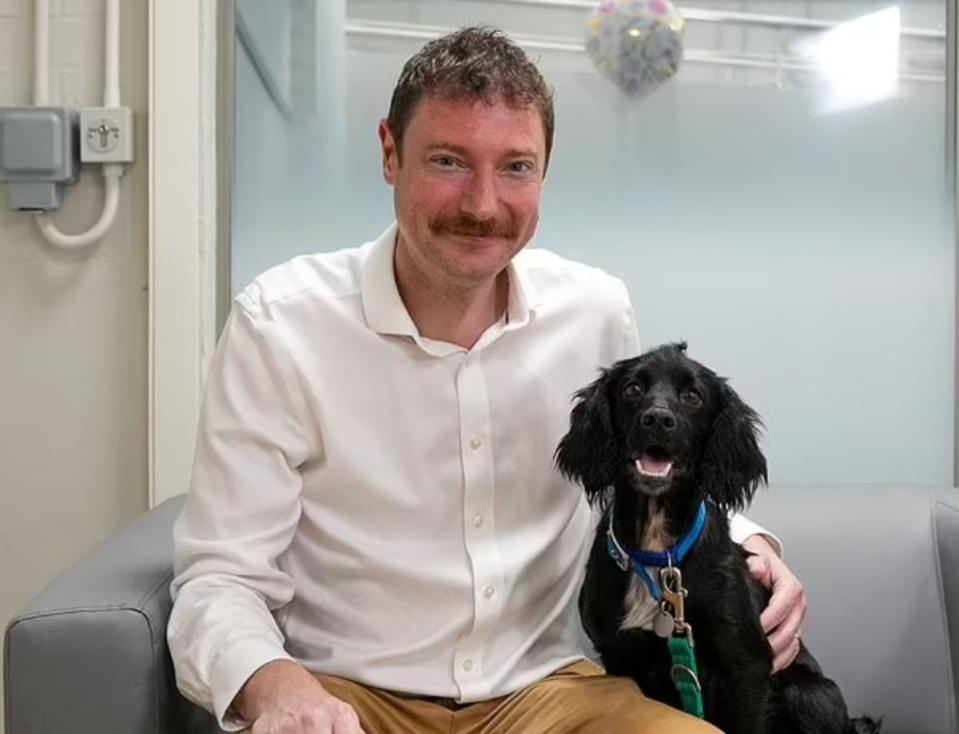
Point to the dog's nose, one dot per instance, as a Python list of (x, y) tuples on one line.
[(658, 418)]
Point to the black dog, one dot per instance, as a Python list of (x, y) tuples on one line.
[(653, 440)]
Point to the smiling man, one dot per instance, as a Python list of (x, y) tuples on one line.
[(375, 538)]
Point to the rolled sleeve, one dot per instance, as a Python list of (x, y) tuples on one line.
[(741, 528)]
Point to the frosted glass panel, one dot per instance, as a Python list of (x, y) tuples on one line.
[(807, 255)]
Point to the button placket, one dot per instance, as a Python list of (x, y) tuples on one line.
[(478, 523)]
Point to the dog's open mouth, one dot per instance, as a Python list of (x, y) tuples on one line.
[(655, 463)]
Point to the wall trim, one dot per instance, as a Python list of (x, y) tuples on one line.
[(182, 233)]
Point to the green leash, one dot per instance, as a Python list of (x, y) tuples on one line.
[(685, 675), (679, 637)]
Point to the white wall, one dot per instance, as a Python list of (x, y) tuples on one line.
[(73, 327)]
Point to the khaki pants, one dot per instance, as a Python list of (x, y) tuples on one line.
[(579, 699)]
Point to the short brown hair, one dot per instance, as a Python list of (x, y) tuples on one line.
[(477, 62)]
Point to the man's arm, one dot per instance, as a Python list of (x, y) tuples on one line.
[(783, 616), (241, 514)]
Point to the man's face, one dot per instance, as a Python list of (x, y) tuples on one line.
[(467, 192)]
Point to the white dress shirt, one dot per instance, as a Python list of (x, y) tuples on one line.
[(382, 506)]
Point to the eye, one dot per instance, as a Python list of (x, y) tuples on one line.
[(691, 398), (633, 390), (520, 167), (445, 161)]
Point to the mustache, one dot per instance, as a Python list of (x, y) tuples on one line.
[(463, 224)]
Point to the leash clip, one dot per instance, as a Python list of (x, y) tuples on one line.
[(671, 584)]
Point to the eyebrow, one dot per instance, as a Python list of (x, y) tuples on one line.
[(460, 150)]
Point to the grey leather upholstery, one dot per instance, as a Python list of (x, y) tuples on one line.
[(89, 654), (881, 571), (880, 565)]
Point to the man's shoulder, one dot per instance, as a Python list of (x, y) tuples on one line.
[(325, 275), (547, 270)]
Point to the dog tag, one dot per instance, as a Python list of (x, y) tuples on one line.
[(664, 624)]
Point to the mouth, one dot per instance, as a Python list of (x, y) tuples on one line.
[(477, 235), (473, 236), (655, 463)]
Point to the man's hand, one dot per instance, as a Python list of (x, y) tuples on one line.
[(783, 617), (283, 698)]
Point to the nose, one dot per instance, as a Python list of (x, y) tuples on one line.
[(479, 199), (658, 418)]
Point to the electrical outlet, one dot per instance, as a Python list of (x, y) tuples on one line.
[(38, 155), (106, 135)]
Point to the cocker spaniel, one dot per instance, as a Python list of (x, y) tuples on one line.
[(666, 449)]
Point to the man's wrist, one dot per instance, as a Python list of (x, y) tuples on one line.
[(261, 687)]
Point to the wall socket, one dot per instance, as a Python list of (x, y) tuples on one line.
[(38, 155), (106, 135)]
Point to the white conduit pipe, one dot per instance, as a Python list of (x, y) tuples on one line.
[(111, 54), (41, 54), (112, 172)]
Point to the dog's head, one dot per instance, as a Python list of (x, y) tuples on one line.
[(663, 422)]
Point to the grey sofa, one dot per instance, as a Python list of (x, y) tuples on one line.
[(880, 564)]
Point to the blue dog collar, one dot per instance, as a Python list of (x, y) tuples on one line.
[(636, 560)]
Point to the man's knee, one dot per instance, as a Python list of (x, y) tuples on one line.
[(612, 705)]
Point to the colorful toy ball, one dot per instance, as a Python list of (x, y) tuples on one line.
[(638, 44)]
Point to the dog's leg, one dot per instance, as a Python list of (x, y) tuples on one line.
[(736, 648), (742, 699)]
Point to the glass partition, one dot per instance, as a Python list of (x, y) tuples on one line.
[(784, 203)]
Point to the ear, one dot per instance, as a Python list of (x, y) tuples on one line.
[(588, 452), (733, 465), (391, 157)]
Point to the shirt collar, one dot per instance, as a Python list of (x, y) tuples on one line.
[(384, 308), (523, 298)]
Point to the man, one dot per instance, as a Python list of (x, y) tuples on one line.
[(376, 539)]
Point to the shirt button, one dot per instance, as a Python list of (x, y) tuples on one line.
[(488, 592), (468, 664), (477, 521), (476, 442)]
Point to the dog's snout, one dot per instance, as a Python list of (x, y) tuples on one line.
[(658, 418)]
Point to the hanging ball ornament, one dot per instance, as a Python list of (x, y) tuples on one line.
[(638, 44)]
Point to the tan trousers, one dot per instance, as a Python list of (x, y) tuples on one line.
[(579, 699)]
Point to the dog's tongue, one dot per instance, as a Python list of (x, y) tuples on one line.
[(652, 466)]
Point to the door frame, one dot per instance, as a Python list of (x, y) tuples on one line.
[(182, 203)]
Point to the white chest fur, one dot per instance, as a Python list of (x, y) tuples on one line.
[(640, 606)]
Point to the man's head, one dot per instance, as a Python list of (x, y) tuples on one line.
[(471, 64), (465, 147)]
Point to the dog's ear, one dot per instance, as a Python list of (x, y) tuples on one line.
[(587, 453), (733, 465)]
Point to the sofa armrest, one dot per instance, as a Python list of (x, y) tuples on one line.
[(90, 654)]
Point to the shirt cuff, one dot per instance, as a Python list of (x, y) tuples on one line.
[(233, 670), (741, 527)]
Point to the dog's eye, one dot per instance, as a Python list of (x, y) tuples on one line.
[(633, 390), (691, 398)]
